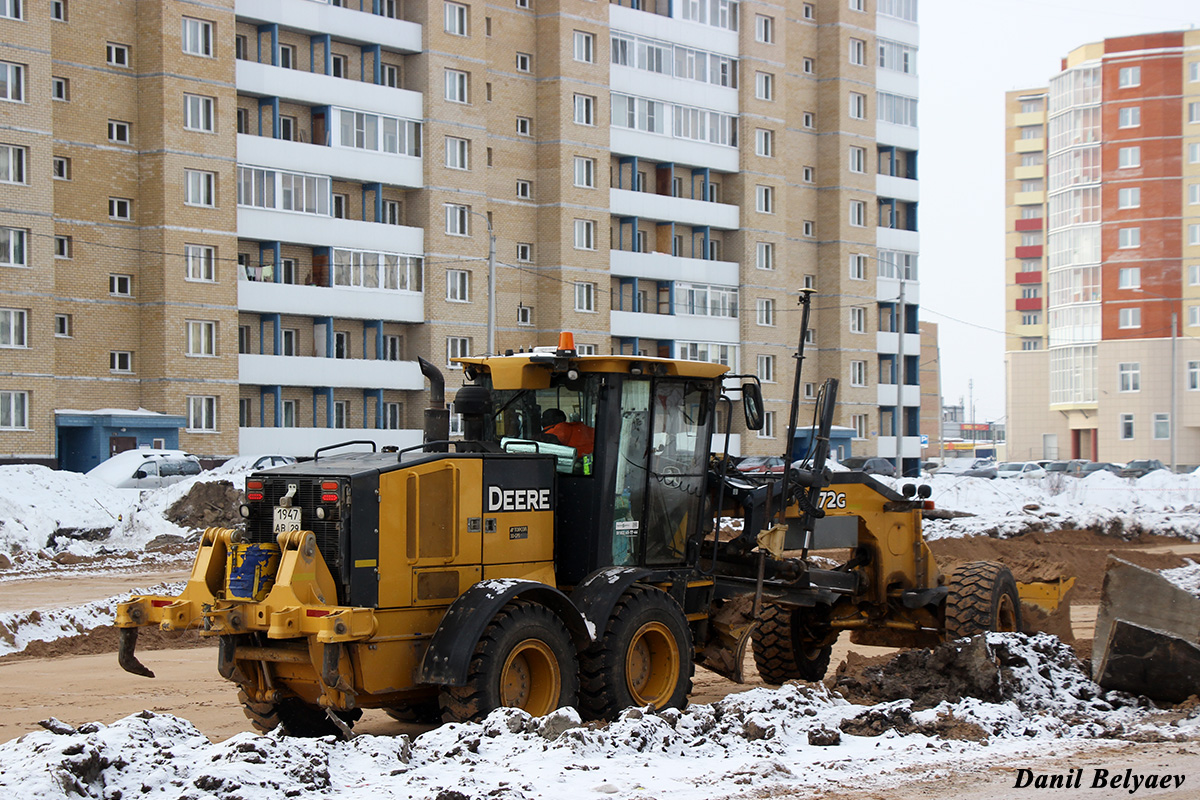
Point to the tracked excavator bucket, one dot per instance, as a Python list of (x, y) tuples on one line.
[(1147, 635)]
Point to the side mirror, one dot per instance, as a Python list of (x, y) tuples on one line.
[(752, 405), (141, 473)]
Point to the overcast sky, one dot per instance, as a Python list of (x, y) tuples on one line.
[(972, 52)]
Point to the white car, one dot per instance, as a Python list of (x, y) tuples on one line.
[(145, 468), (1020, 469)]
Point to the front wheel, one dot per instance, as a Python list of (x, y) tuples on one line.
[(525, 659), (295, 717), (643, 659), (784, 650), (982, 597)]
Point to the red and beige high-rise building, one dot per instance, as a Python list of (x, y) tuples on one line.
[(1103, 255)]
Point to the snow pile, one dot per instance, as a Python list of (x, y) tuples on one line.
[(1186, 577), (1160, 502), (19, 628), (787, 740)]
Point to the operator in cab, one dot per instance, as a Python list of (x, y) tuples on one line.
[(572, 434)]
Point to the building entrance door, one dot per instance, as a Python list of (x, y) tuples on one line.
[(119, 444)]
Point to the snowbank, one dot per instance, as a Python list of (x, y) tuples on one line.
[(785, 740)]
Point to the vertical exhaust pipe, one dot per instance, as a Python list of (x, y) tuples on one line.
[(437, 416)]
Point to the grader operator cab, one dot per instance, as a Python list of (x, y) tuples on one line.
[(511, 569)]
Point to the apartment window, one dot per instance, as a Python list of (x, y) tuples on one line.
[(242, 116), (197, 37), (524, 252), (858, 320), (391, 348), (120, 361), (12, 82), (585, 349), (287, 56), (858, 52), (239, 47), (120, 285), (1032, 160), (1129, 76), (200, 188), (60, 89), (198, 113), (765, 312), (524, 62), (289, 342), (1129, 117), (1126, 426), (12, 247), (1031, 344), (63, 326), (1193, 374), (458, 286), (764, 29), (457, 347), (341, 344), (457, 153), (766, 368), (809, 11), (120, 208), (341, 202), (808, 228), (524, 314), (1129, 277), (858, 5), (858, 213), (858, 267), (859, 422), (391, 76), (456, 19), (764, 142), (14, 410), (1194, 234), (202, 413), (243, 339), (12, 163), (858, 159), (1129, 237), (1162, 426), (391, 212), (12, 327), (585, 234), (337, 66), (1031, 265), (456, 220), (58, 10), (524, 126), (858, 373), (1129, 198), (1193, 112), (585, 109), (765, 199), (768, 428), (1129, 157), (341, 413), (524, 190), (1031, 319), (201, 262), (1193, 319), (457, 86), (585, 47), (764, 85), (62, 246), (808, 120), (10, 9), (585, 172), (1129, 318), (201, 338), (1194, 194), (808, 65), (858, 105), (1193, 274), (1028, 292), (1129, 377), (291, 413), (1031, 239), (117, 55), (808, 175), (764, 255), (118, 132), (585, 296)]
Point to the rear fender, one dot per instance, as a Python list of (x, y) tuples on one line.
[(448, 656), (597, 596)]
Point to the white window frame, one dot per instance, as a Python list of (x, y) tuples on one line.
[(11, 9), (585, 172), (764, 308), (858, 373), (768, 427), (199, 113), (120, 285), (858, 319), (455, 19), (201, 263), (14, 328), (197, 38), (202, 413), (120, 361), (117, 55), (201, 338), (1160, 425), (14, 247), (458, 86), (1129, 318), (1129, 277), (524, 190), (457, 347), (119, 132), (766, 368), (764, 85), (14, 410), (1125, 429), (199, 188), (764, 199), (1129, 157), (1129, 117), (524, 126), (858, 105), (858, 160), (858, 214), (858, 266), (524, 315), (1129, 197), (585, 234), (120, 208), (525, 252), (524, 62), (458, 219), (62, 246), (60, 89), (13, 162), (764, 255), (584, 47), (63, 326), (584, 106), (858, 52), (458, 153), (458, 286), (1129, 238), (1129, 377), (764, 29), (1128, 77), (585, 297), (764, 142)]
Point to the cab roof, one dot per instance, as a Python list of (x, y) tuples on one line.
[(532, 370)]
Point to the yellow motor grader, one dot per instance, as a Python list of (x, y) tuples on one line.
[(506, 568)]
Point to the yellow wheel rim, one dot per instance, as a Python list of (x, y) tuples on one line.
[(1006, 614), (652, 665), (531, 678)]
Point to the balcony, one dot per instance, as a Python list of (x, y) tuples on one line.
[(659, 26), (1029, 145), (668, 88), (671, 150), (1032, 172), (887, 290), (315, 89), (650, 206), (1029, 304), (1029, 198), (887, 342), (348, 25), (888, 394), (1034, 224), (903, 136), (340, 163), (674, 326), (666, 267), (302, 442), (898, 239), (1024, 118), (905, 189), (902, 446), (335, 301), (269, 225), (1028, 251), (338, 373), (1029, 277)]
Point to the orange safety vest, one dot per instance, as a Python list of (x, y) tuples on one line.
[(575, 434)]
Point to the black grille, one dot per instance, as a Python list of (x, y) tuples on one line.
[(307, 497)]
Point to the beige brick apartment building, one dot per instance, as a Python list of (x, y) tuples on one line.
[(232, 226)]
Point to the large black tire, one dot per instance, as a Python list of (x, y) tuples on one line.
[(782, 651), (982, 597), (418, 712), (525, 659), (296, 717), (644, 657)]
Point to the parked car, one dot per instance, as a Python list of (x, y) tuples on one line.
[(760, 465), (970, 468), (1100, 466), (1020, 469), (1138, 468), (240, 463), (144, 468), (872, 465), (1070, 467)]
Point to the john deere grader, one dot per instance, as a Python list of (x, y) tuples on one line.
[(510, 569)]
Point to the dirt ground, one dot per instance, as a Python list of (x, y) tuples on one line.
[(78, 680)]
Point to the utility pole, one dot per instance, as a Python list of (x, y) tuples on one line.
[(1174, 378), (902, 324), (491, 311)]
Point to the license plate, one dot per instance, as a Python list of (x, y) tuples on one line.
[(286, 519)]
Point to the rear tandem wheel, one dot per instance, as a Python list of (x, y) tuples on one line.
[(781, 653), (983, 597)]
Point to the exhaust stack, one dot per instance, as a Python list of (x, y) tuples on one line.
[(437, 416)]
